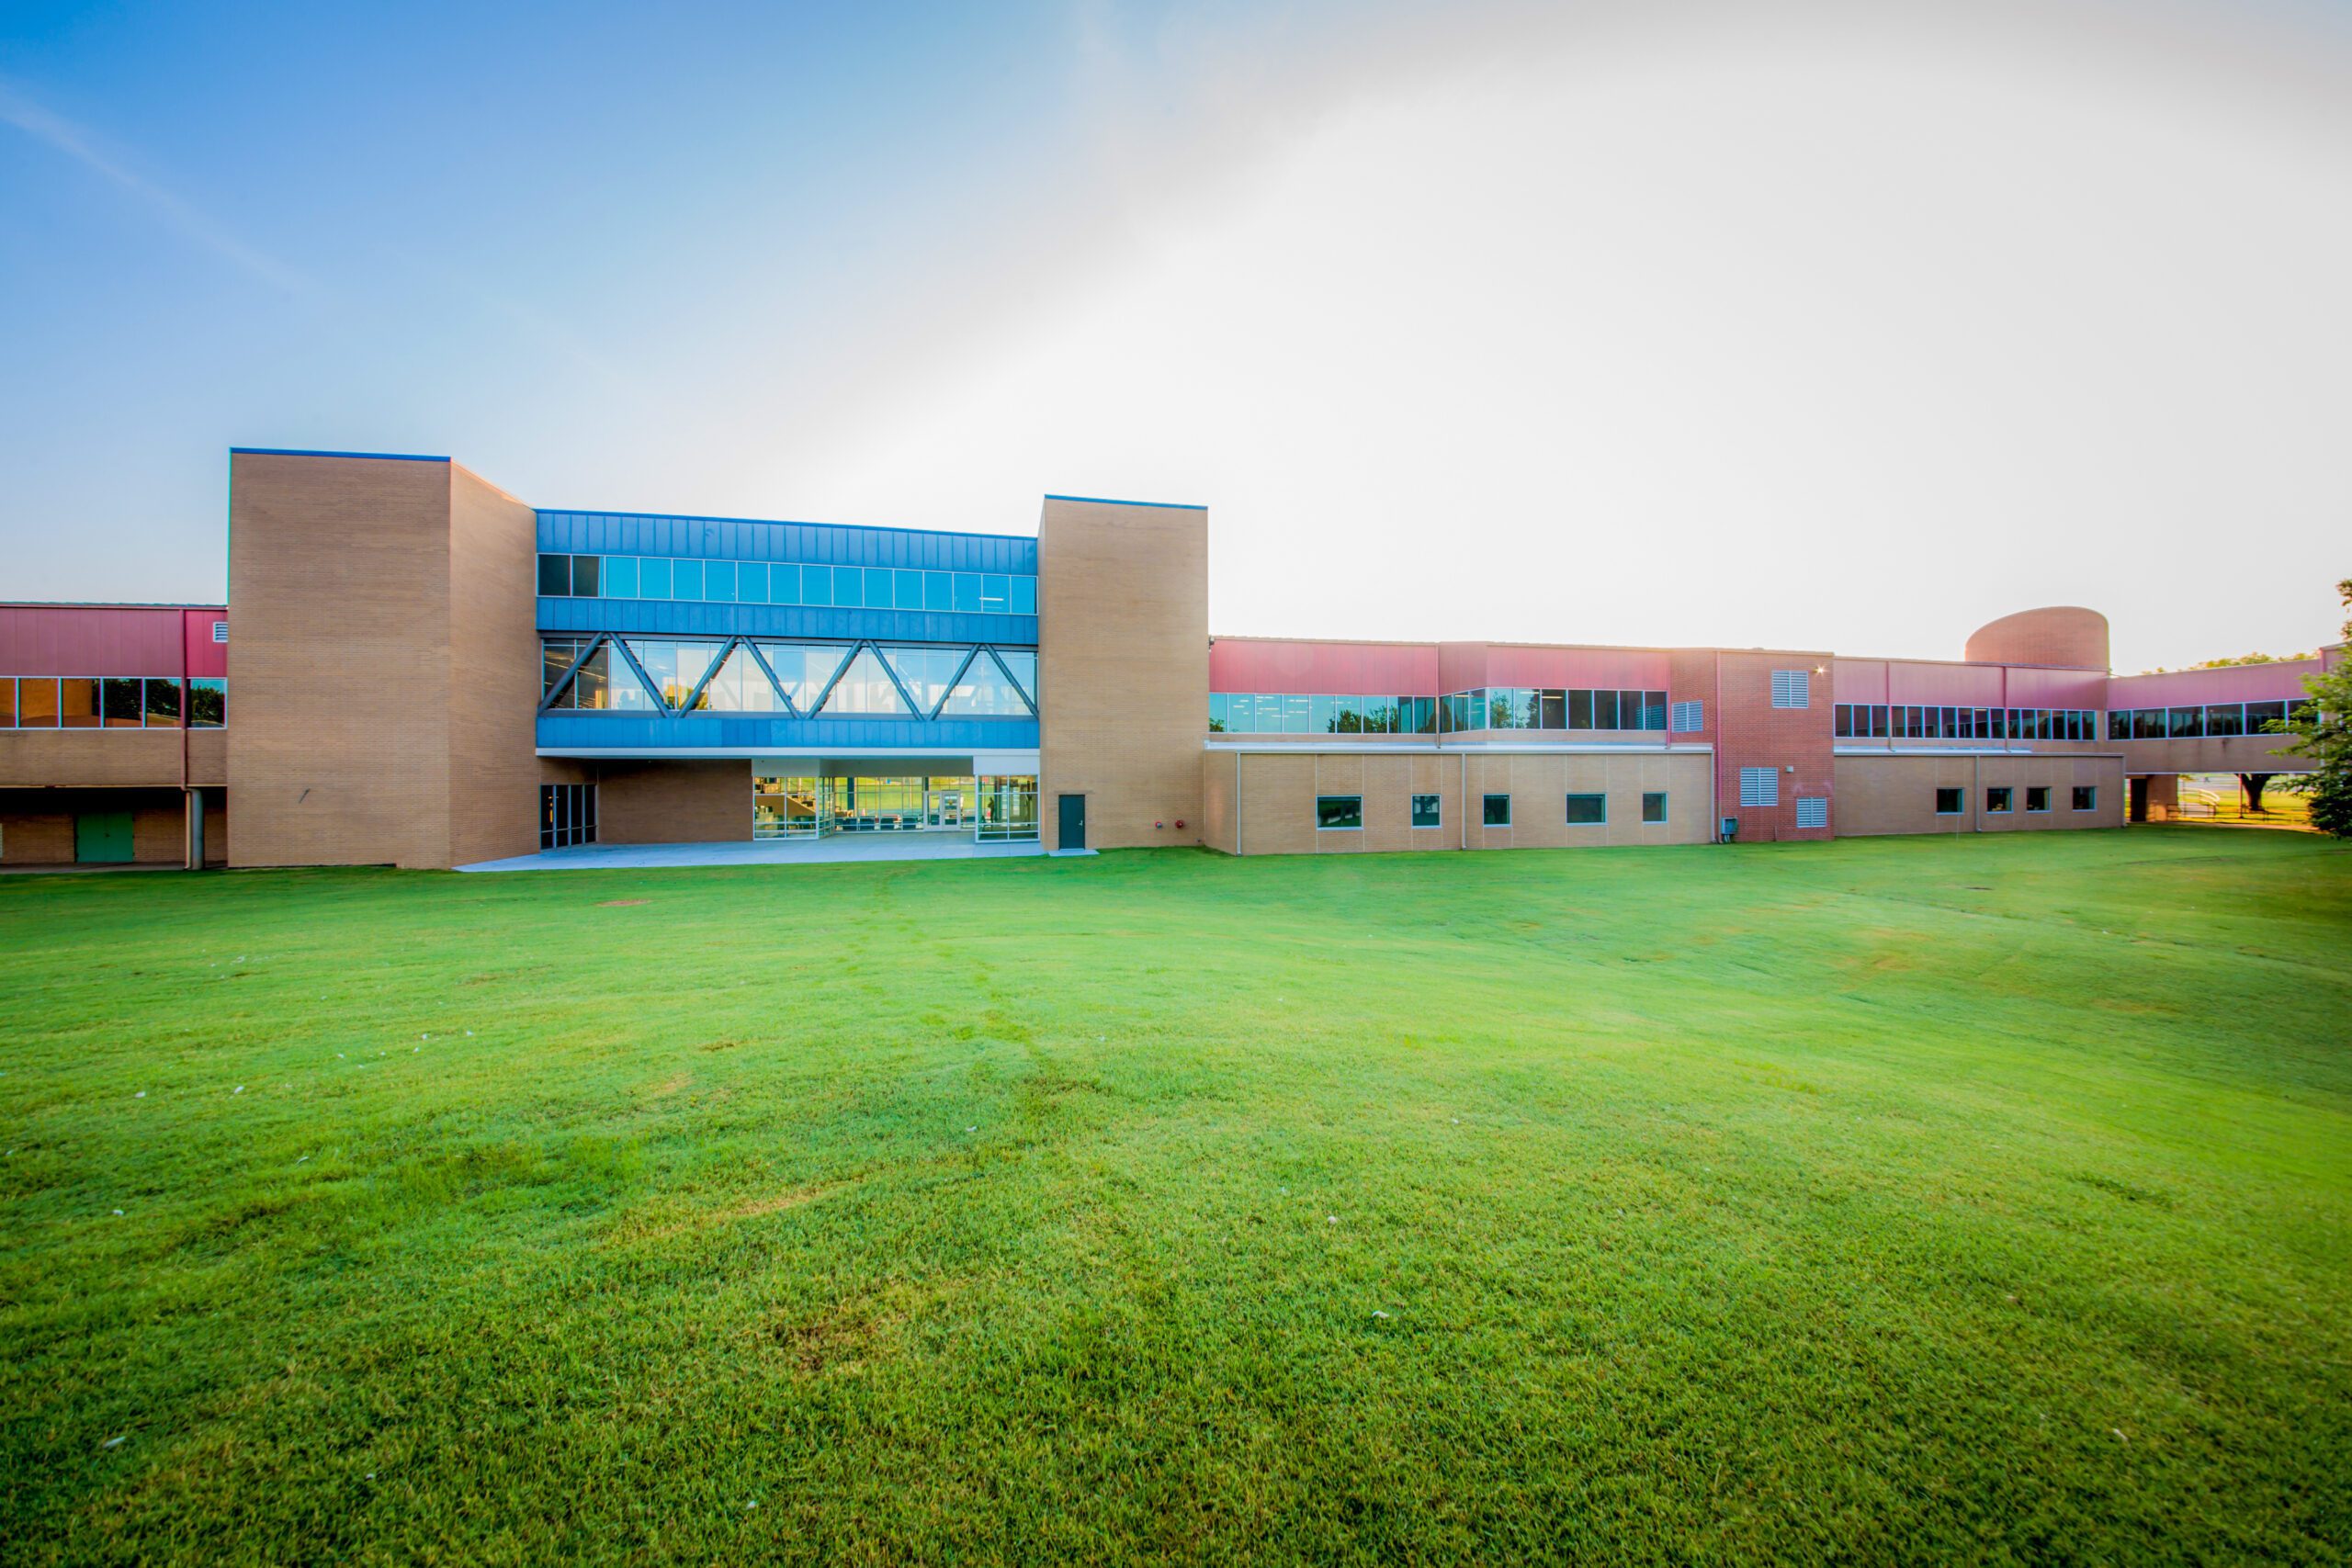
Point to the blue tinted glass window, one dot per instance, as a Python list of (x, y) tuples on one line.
[(816, 585), (849, 586), (784, 584), (585, 574), (967, 592), (910, 589), (752, 582), (938, 591), (996, 592), (718, 581), (878, 587), (653, 578), (1025, 595), (686, 579), (620, 577)]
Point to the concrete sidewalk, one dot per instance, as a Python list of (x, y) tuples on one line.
[(833, 849)]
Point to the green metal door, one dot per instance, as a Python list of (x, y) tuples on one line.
[(102, 837)]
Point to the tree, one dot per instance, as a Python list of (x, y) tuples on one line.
[(2322, 729)]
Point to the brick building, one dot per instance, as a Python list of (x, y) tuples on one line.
[(417, 668)]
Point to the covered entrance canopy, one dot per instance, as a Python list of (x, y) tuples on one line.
[(975, 797)]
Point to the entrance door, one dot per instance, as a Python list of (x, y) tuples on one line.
[(2140, 798), (102, 837), (945, 809), (1073, 836)]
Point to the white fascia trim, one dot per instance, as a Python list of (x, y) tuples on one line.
[(1478, 748), (730, 753)]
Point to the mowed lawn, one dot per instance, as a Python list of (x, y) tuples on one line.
[(1978, 1197)]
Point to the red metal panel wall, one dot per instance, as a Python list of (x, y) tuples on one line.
[(1640, 669), (1347, 669), (205, 657), (1946, 685), (2237, 683), (95, 639)]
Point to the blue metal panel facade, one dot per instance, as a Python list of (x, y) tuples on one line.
[(733, 539), (746, 732), (675, 617)]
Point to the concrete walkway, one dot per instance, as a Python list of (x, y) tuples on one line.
[(829, 850)]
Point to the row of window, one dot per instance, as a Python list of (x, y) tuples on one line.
[(1527, 707), (2001, 798), (1345, 812), (566, 815), (786, 582), (111, 702), (741, 676), (2212, 718), (1878, 721), (1274, 712)]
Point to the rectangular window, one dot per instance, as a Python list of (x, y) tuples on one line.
[(1690, 718), (2187, 721), (653, 577), (2260, 716), (1337, 811), (7, 702), (77, 702), (36, 703), (1654, 806), (1025, 595), (555, 577), (620, 577), (208, 702), (2224, 719), (1322, 714), (1760, 786), (718, 578), (849, 587), (1998, 798), (124, 704), (881, 588), (906, 589), (686, 579), (1497, 811), (1218, 707), (2037, 798), (1425, 811), (585, 576), (1552, 710), (1584, 810), (1949, 802), (163, 701), (752, 582), (2087, 797), (1653, 710), (1604, 710), (967, 592), (816, 585), (784, 583), (1813, 811), (1841, 719), (938, 591), (996, 592), (1790, 688), (1629, 710)]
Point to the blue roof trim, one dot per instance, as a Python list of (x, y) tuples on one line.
[(1111, 501), (781, 523), (307, 451)]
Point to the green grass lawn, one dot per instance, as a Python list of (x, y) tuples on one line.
[(1972, 1197)]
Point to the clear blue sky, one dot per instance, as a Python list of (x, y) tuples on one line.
[(1767, 324)]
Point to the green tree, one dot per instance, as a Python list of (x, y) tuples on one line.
[(2322, 729)]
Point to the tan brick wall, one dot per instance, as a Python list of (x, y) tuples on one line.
[(91, 759), (1278, 793), (1220, 780), (339, 665), (2209, 754), (36, 837), (1123, 669), (671, 803), (494, 672), (1882, 794), (208, 758)]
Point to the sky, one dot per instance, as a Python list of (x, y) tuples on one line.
[(1811, 324)]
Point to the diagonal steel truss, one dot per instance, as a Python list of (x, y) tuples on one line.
[(727, 648)]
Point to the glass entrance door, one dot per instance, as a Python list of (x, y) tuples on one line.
[(945, 811)]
